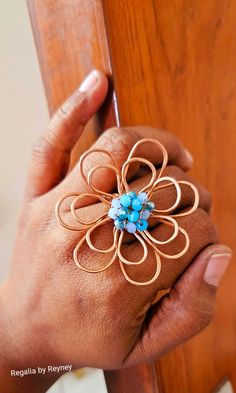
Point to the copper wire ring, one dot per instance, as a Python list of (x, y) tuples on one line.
[(145, 239)]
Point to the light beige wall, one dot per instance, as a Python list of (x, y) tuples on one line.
[(23, 115)]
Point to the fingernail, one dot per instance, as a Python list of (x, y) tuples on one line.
[(89, 82), (217, 265), (189, 157)]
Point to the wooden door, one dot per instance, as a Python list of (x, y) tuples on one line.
[(173, 64)]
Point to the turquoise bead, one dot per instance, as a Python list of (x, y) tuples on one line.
[(142, 196), (119, 224), (116, 203), (133, 216), (132, 194), (113, 213), (122, 214), (125, 200), (136, 204), (131, 211), (130, 227), (145, 214), (150, 205), (142, 225)]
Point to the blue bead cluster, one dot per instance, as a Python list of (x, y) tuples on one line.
[(131, 211)]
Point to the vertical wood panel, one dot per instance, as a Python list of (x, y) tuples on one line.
[(71, 41), (173, 65)]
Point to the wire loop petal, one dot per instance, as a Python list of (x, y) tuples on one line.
[(91, 230), (172, 182), (123, 259), (80, 266), (110, 164), (196, 200), (100, 192), (153, 142), (165, 220), (125, 168), (140, 283), (171, 256), (59, 217), (88, 224)]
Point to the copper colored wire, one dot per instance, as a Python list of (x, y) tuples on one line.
[(145, 238)]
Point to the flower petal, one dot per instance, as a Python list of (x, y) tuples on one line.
[(168, 221), (125, 168), (168, 256), (91, 230), (156, 275), (59, 217), (103, 193), (87, 178), (172, 182), (76, 259), (196, 201), (153, 142), (123, 259), (87, 224)]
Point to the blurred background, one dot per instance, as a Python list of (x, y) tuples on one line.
[(24, 116)]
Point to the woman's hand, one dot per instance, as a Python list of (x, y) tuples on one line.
[(54, 313)]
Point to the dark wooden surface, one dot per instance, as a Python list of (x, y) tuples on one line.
[(71, 40), (173, 64)]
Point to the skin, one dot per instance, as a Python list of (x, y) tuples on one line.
[(51, 313)]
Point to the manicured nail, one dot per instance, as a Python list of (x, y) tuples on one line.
[(217, 265), (189, 157), (89, 82)]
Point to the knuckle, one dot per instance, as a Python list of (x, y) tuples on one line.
[(41, 149), (172, 144), (76, 103), (197, 317), (118, 141), (202, 225), (207, 200), (175, 172), (173, 147), (63, 112), (178, 174), (195, 312)]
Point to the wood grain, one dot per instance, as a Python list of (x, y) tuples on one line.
[(71, 40), (173, 64), (177, 68), (143, 378)]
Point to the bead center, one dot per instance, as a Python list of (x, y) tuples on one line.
[(131, 211)]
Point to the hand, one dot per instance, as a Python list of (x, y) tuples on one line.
[(54, 313)]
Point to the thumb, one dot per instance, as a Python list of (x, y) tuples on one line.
[(186, 310), (51, 153)]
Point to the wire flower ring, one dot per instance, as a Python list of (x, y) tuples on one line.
[(130, 211)]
